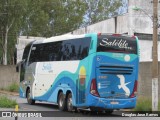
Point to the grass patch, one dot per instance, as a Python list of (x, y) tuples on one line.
[(145, 104), (1, 88), (14, 87), (6, 102)]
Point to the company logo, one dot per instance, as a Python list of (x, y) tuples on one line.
[(6, 114), (21, 114), (115, 43), (47, 67), (123, 85)]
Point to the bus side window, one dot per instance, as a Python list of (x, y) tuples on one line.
[(26, 52), (76, 49), (73, 53), (31, 59), (25, 56), (83, 47), (35, 55), (73, 49)]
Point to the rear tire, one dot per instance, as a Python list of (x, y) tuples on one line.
[(61, 102), (94, 109), (69, 102), (108, 112), (29, 99)]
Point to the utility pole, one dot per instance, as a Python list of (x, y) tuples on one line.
[(155, 58)]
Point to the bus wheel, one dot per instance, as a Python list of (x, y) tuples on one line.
[(69, 102), (95, 110), (108, 112), (29, 100), (61, 102)]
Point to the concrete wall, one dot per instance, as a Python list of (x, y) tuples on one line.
[(140, 21), (146, 50), (8, 75), (122, 24), (145, 79), (112, 25), (107, 26)]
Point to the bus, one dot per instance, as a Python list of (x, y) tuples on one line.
[(97, 71)]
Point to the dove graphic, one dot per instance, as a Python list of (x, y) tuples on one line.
[(123, 85)]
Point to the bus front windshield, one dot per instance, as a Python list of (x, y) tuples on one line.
[(117, 44)]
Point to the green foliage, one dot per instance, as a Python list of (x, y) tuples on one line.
[(52, 17), (2, 88), (145, 104), (10, 22), (14, 87), (6, 102), (98, 10)]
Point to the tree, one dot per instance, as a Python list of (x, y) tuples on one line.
[(35, 19), (98, 10), (69, 17), (10, 13), (52, 17)]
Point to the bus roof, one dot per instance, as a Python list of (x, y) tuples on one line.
[(59, 38), (71, 36)]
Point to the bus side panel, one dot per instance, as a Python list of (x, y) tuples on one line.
[(58, 76), (67, 80), (48, 78)]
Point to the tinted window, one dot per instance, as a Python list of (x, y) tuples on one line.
[(74, 49), (34, 54), (120, 44), (26, 52)]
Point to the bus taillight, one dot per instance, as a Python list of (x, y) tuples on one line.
[(99, 34), (134, 37), (134, 93), (93, 89)]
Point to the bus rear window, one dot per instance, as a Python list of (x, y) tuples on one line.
[(117, 44)]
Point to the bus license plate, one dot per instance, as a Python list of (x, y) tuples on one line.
[(114, 103)]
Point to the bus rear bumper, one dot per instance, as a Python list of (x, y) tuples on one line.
[(109, 103)]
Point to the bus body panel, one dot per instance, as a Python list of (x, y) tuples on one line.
[(115, 74), (111, 103), (50, 77), (115, 78)]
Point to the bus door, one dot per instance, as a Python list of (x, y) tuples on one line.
[(23, 67), (33, 73), (24, 61)]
